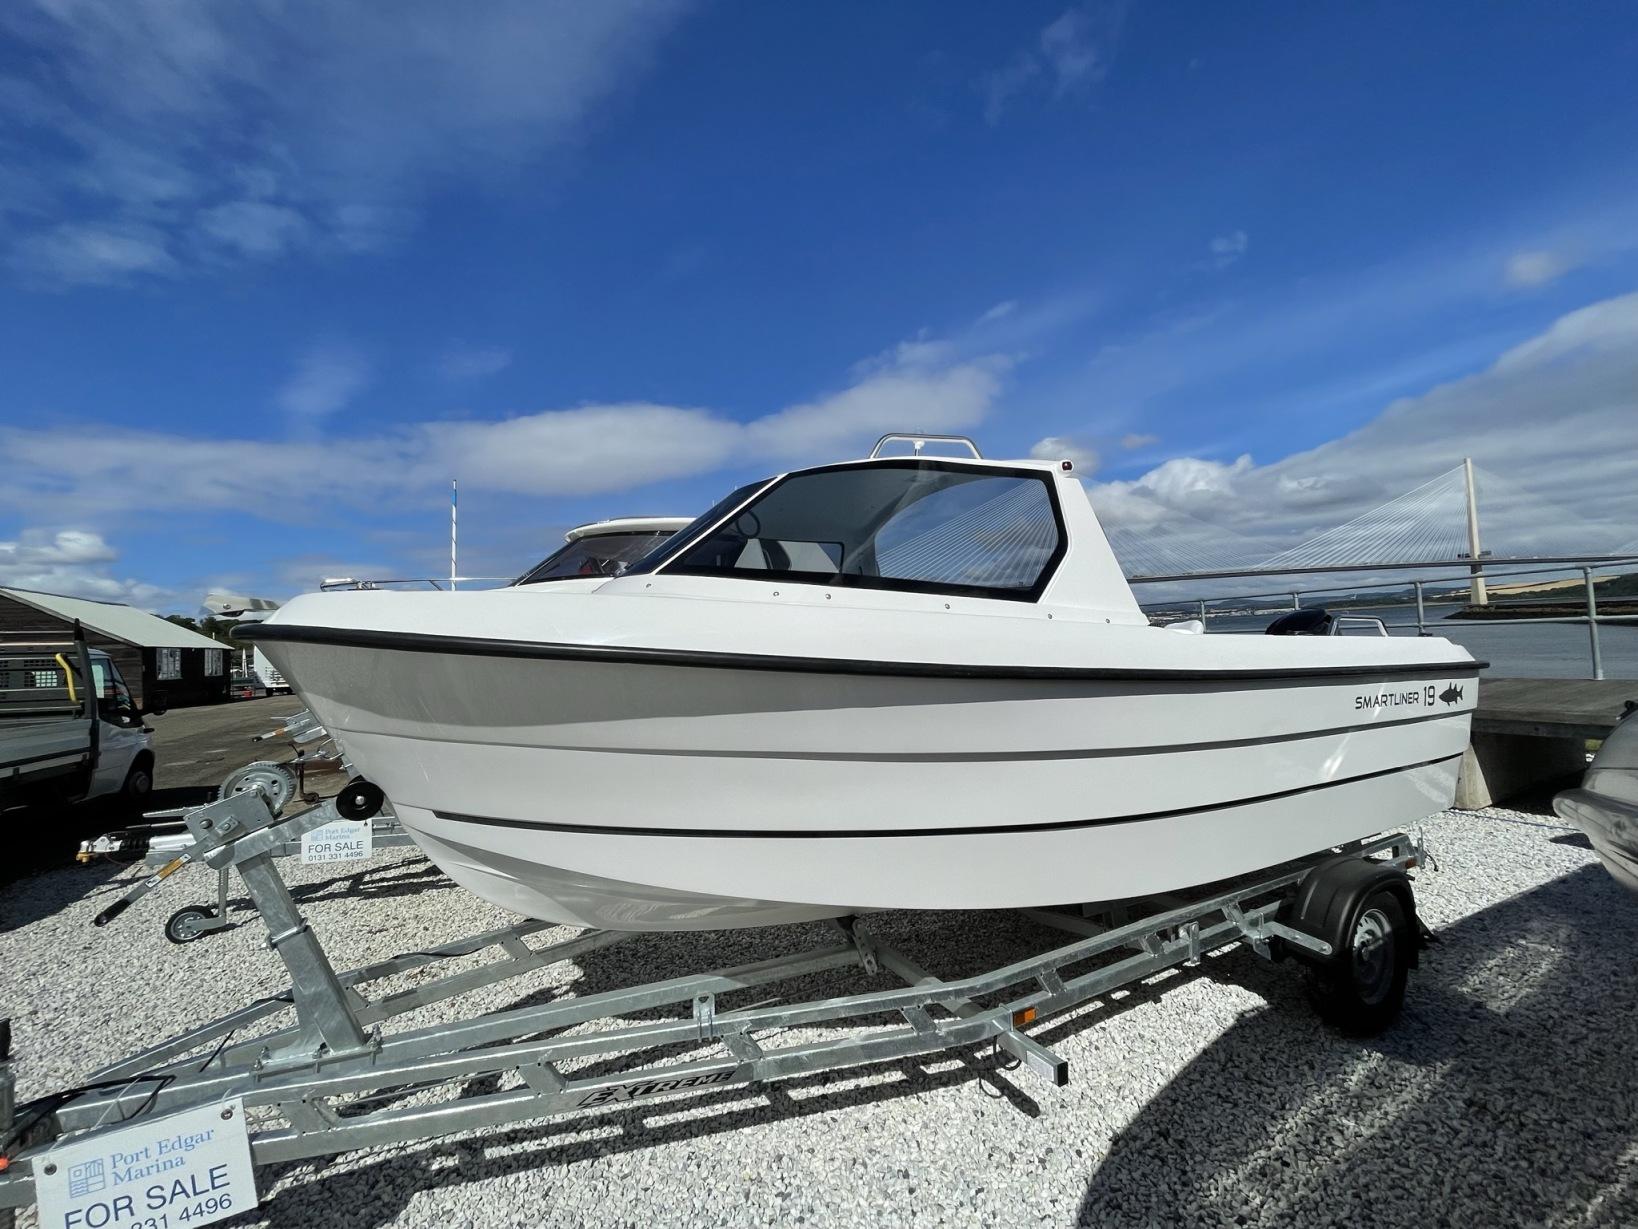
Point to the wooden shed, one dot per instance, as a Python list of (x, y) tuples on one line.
[(153, 654)]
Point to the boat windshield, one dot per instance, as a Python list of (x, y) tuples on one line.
[(665, 550), (918, 524), (602, 554)]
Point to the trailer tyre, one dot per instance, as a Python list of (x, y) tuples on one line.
[(189, 923), (1362, 991)]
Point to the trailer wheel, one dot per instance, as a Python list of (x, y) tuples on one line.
[(1361, 992), (189, 923), (276, 782)]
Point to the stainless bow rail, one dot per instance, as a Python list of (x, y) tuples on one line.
[(333, 1079)]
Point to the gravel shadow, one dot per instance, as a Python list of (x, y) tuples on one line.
[(25, 899), (1507, 1093)]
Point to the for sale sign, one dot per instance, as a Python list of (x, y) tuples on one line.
[(342, 841), (177, 1172)]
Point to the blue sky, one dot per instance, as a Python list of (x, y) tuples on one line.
[(270, 275)]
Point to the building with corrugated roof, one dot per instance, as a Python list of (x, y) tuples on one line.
[(154, 654)]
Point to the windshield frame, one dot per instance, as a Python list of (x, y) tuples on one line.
[(702, 526), (679, 545)]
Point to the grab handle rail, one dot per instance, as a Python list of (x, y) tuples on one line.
[(1339, 620), (920, 441)]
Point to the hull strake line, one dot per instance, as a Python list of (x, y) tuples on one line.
[(482, 646), (971, 830), (943, 757)]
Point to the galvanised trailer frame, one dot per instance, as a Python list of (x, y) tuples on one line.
[(335, 1079), (162, 844)]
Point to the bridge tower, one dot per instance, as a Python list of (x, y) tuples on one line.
[(1477, 592)]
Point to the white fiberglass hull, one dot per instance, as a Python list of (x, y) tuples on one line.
[(551, 874), (673, 794), (1605, 807)]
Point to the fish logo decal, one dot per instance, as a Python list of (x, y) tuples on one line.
[(1451, 694)]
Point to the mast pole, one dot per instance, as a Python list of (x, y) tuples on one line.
[(453, 491), (1477, 593)]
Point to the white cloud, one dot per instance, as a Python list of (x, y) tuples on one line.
[(1529, 269), (1071, 54), (252, 228), (1079, 43), (335, 119), (1000, 311), (82, 253), (70, 561), (1134, 440), (463, 362), (326, 379), (1556, 418), (1007, 83), (910, 396), (1060, 448), (575, 451), (1192, 482), (1226, 249)]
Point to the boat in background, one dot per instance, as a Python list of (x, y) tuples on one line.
[(595, 552), (1605, 806), (899, 682)]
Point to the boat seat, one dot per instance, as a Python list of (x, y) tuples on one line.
[(1313, 621)]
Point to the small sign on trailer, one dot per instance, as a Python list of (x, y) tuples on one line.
[(176, 1172), (342, 841)]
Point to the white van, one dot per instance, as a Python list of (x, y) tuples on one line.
[(69, 729)]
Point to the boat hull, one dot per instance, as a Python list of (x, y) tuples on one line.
[(1605, 807), (657, 796)]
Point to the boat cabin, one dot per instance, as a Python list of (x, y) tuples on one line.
[(1016, 531)]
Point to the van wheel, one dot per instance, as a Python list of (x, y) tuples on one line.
[(139, 784)]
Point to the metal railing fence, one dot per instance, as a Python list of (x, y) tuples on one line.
[(1492, 570)]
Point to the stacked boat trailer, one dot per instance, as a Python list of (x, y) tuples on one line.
[(334, 1078)]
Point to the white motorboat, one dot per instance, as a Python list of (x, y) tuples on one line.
[(900, 682), (1605, 806)]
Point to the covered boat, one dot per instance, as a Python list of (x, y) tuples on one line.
[(900, 682), (592, 553), (1605, 806)]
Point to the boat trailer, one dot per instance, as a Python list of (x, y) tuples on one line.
[(165, 844), (335, 1078)]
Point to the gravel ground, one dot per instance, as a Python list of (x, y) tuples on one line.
[(1506, 1095)]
